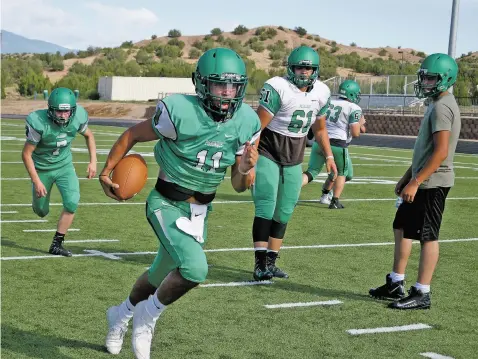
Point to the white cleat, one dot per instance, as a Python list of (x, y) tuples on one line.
[(143, 330), (324, 199), (116, 331)]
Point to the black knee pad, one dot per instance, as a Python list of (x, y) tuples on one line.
[(309, 177), (261, 229), (278, 229)]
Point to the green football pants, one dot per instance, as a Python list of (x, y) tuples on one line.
[(67, 183), (176, 248), (276, 190)]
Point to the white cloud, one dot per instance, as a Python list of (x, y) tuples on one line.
[(122, 16), (92, 24)]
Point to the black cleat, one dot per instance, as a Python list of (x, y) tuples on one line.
[(261, 272), (335, 204), (273, 269), (416, 300), (389, 290), (56, 248)]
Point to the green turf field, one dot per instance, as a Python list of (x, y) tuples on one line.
[(54, 307)]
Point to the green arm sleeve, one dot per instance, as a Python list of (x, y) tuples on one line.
[(270, 99)]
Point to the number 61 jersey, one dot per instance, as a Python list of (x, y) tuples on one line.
[(283, 140)]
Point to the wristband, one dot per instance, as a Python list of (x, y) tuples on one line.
[(243, 173), (329, 157)]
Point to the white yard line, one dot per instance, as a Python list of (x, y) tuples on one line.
[(409, 151), (8, 212), (435, 356), (225, 202), (92, 240), (28, 178), (317, 246), (48, 230), (25, 221), (236, 284), (102, 254), (401, 328), (409, 160), (302, 304)]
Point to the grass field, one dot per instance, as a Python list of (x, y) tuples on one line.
[(54, 307)]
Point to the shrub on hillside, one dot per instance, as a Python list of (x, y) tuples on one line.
[(174, 33), (239, 30)]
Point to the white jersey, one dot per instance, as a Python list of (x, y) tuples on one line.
[(340, 116), (294, 111)]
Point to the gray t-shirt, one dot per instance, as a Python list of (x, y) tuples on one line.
[(443, 114)]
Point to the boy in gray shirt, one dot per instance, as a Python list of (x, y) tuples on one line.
[(425, 185)]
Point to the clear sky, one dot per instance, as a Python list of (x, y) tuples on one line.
[(420, 24)]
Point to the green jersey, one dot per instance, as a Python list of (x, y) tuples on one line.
[(52, 141), (194, 151)]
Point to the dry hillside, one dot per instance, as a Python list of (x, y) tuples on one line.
[(262, 59)]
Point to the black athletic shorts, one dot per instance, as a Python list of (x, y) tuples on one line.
[(421, 219)]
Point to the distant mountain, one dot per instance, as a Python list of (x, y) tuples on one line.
[(13, 43)]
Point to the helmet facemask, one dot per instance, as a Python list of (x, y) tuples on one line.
[(428, 84), (221, 95), (302, 80), (55, 113)]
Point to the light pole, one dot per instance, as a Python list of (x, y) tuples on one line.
[(401, 63), (453, 30)]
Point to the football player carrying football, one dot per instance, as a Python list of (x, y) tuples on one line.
[(48, 160), (288, 107), (344, 121), (200, 137)]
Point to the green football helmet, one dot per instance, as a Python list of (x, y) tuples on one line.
[(350, 90), (220, 80), (61, 99), (437, 74), (303, 56)]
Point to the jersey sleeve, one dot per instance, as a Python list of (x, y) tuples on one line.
[(324, 108), (33, 130), (442, 118), (270, 98), (83, 118), (252, 134), (355, 116), (163, 124)]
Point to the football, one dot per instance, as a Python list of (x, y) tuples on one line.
[(131, 174)]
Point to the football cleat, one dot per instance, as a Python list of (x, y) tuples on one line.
[(335, 204), (56, 248), (389, 290), (324, 199), (273, 269), (416, 299), (116, 331), (143, 330)]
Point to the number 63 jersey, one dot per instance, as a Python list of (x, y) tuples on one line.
[(52, 141), (340, 116), (283, 140)]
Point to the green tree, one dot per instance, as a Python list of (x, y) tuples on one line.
[(126, 45), (240, 29), (143, 57), (194, 53), (174, 33), (32, 82), (300, 31), (216, 31), (176, 42)]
